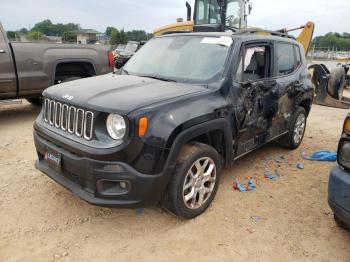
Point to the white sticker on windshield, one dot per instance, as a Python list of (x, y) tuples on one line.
[(223, 40)]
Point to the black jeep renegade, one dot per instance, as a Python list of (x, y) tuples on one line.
[(160, 129)]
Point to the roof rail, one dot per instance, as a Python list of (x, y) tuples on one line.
[(258, 30)]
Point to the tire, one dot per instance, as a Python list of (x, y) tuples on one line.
[(289, 140), (340, 223), (36, 101), (191, 155), (337, 84)]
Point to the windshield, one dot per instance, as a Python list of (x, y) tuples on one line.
[(131, 48), (209, 12), (187, 58)]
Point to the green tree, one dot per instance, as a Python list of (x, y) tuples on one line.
[(11, 35), (69, 37), (115, 38), (48, 28), (123, 37), (340, 42), (23, 30), (110, 30), (35, 35)]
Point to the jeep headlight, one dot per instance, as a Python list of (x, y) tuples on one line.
[(116, 126), (344, 154)]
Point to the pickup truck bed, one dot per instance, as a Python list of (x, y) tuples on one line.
[(26, 69)]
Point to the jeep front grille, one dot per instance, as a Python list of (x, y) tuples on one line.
[(70, 119)]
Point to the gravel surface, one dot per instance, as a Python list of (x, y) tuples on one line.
[(283, 220)]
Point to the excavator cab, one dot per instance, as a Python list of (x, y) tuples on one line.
[(220, 15)]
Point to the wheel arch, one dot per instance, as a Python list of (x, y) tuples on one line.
[(86, 65), (216, 133), (306, 104)]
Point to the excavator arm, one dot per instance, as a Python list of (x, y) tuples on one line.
[(305, 36)]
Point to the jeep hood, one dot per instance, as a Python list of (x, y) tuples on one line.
[(118, 93)]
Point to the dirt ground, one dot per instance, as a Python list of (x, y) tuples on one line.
[(283, 220)]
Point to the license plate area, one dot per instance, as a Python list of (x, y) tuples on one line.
[(53, 159)]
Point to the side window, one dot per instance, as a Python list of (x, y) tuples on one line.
[(254, 64), (297, 56), (233, 14), (285, 59)]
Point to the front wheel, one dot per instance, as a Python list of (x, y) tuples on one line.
[(295, 135), (194, 182)]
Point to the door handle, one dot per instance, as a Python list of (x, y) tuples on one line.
[(2, 51)]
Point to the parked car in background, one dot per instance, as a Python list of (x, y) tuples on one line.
[(123, 57), (27, 69), (161, 128), (339, 180), (120, 48)]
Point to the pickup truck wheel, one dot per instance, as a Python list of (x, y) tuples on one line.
[(294, 137), (194, 182), (37, 101)]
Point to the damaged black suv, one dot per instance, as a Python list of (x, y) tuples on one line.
[(160, 129)]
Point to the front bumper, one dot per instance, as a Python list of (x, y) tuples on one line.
[(339, 194), (81, 174)]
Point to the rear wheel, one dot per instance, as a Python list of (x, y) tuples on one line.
[(295, 135), (194, 182)]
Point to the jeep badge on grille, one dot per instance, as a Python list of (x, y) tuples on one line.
[(68, 97)]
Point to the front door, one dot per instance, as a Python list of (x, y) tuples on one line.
[(7, 70), (253, 75)]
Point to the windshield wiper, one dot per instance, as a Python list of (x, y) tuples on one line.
[(159, 78)]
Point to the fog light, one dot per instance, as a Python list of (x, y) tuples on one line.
[(112, 187), (123, 185)]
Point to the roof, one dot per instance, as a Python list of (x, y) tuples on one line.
[(87, 31), (244, 34)]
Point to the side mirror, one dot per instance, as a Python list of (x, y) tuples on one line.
[(250, 8), (189, 11)]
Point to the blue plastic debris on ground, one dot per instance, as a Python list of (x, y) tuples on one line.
[(138, 211), (321, 156), (300, 166), (271, 175), (242, 188)]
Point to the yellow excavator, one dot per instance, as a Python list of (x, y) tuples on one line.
[(222, 15), (226, 15)]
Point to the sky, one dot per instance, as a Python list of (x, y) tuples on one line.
[(328, 15)]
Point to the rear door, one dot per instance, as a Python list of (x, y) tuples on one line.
[(287, 63), (7, 70)]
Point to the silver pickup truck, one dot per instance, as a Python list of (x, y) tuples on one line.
[(26, 69)]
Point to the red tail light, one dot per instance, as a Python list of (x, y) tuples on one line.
[(110, 59)]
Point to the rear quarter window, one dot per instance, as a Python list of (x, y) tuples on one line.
[(285, 59)]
